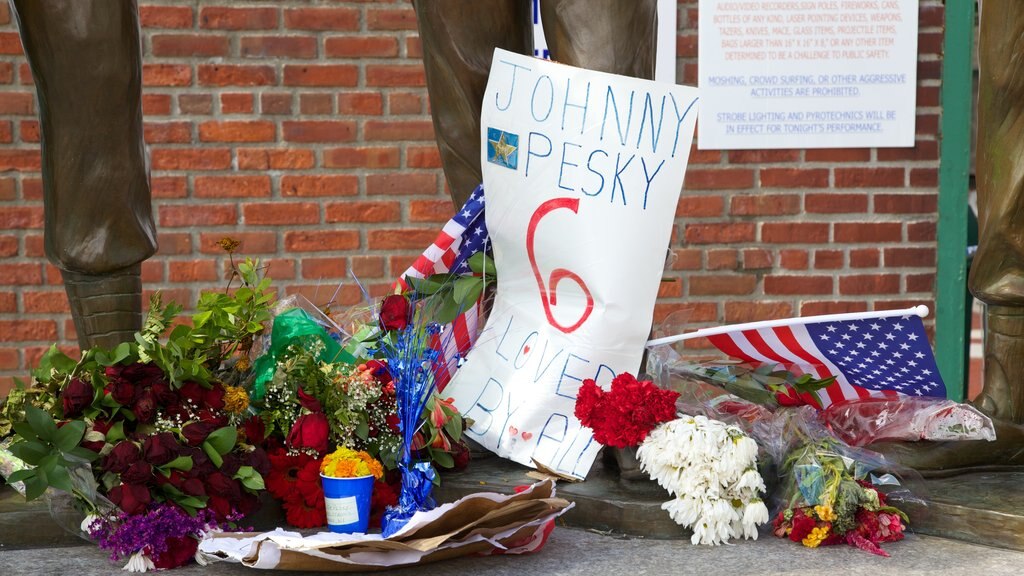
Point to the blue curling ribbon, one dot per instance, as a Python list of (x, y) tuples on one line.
[(417, 483)]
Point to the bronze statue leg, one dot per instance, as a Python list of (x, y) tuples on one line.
[(615, 36), (459, 39), (85, 57)]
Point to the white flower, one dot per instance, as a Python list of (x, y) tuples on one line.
[(87, 522), (139, 562)]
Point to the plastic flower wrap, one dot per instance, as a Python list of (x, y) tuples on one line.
[(711, 470)]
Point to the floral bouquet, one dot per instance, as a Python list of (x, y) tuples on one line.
[(348, 463)]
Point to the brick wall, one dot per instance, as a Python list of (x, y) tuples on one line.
[(302, 128)]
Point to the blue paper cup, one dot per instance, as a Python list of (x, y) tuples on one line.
[(348, 503)]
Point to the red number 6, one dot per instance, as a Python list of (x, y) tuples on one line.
[(548, 295)]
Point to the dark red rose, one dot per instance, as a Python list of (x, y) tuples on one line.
[(193, 393), (193, 487), (76, 397), (222, 485), (309, 402), (164, 394), (394, 312), (392, 421), (177, 411), (220, 505), (132, 498), (214, 397), (138, 473), (379, 371), (180, 550), (195, 433), (247, 503), (159, 449), (259, 461), (101, 426), (145, 407), (122, 391), (254, 430), (310, 431), (124, 454), (460, 454), (231, 464)]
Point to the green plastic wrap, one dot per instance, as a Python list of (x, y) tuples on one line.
[(294, 326)]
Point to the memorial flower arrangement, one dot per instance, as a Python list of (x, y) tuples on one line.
[(348, 463), (623, 416), (833, 503)]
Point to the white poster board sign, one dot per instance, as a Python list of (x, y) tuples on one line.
[(582, 172), (807, 73)]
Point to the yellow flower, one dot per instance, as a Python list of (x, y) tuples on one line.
[(813, 539), (236, 399), (228, 244), (348, 463), (825, 513)]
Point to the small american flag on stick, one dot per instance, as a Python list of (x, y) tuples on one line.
[(871, 354), (462, 237)]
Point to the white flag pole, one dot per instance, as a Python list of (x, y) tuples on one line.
[(920, 310)]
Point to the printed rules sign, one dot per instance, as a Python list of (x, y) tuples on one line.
[(582, 172)]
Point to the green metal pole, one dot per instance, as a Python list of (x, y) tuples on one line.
[(954, 173)]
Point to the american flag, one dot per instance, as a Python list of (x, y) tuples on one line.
[(883, 354), (462, 237)]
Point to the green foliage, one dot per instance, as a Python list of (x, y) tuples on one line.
[(50, 450), (757, 384), (445, 296)]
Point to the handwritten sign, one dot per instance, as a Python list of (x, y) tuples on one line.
[(807, 73), (582, 172)]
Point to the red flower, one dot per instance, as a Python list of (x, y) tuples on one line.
[(145, 406), (384, 495), (300, 515), (132, 498), (625, 415), (254, 430), (124, 454), (284, 470), (214, 397), (802, 525), (161, 448), (310, 431), (394, 312), (195, 433), (76, 397), (309, 402), (180, 549), (138, 473)]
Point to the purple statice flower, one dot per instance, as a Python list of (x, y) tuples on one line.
[(125, 534)]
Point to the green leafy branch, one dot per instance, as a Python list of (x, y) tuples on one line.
[(50, 450)]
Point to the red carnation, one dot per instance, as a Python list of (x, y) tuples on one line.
[(310, 431), (394, 312), (803, 524), (623, 416)]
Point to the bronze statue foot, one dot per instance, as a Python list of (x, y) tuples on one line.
[(107, 309), (1003, 394), (624, 460), (940, 458)]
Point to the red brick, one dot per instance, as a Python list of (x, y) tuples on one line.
[(779, 284), (152, 272), (686, 46), (828, 259), (237, 103), (764, 205), (277, 47), (19, 217), (221, 18), (422, 157), (846, 232), (731, 284), (251, 242), (870, 284), (430, 211), (794, 178), (865, 258), (924, 177), (407, 183), (178, 216), (723, 259), (361, 47), (388, 75), (235, 75), (236, 131), (276, 103), (194, 271), (921, 232), (838, 155), (400, 238), (906, 203), (172, 243), (317, 241), (8, 361), (922, 150), (316, 104), (909, 257), (321, 75), (317, 268), (818, 308), (835, 203), (719, 179), (165, 16), (195, 103), (8, 246), (404, 103), (794, 232), (24, 330), (685, 259), (281, 213), (704, 205), (6, 72), (156, 104), (720, 233), (29, 274), (318, 131), (191, 159), (763, 156), (329, 19), (166, 132), (28, 130), (21, 103), (186, 45), (166, 75), (398, 130), (32, 189), (334, 185), (275, 159), (169, 186), (741, 312), (414, 47), (389, 19), (361, 103), (232, 186), (685, 313), (10, 43), (362, 157), (869, 177), (920, 283), (349, 211)]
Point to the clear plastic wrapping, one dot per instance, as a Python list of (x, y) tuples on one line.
[(862, 422)]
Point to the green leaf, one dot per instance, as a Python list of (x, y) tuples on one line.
[(60, 479), (60, 361), (215, 456), (482, 264), (69, 435), (34, 488), (30, 451), (25, 431), (454, 428), (122, 352), (20, 475), (183, 463), (442, 458), (191, 501), (223, 439), (41, 422), (467, 290), (116, 432), (363, 429), (84, 454), (429, 285), (254, 483), (447, 310)]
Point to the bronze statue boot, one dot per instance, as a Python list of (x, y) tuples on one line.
[(107, 308), (624, 460)]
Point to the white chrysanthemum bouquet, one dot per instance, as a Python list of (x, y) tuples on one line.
[(711, 470)]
